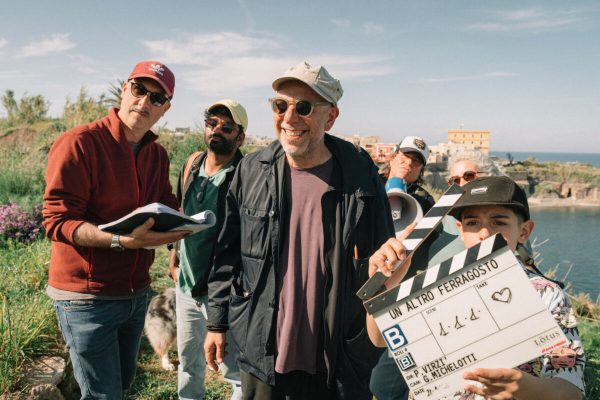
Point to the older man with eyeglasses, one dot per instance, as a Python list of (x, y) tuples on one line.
[(463, 171), (203, 183), (99, 281), (302, 217)]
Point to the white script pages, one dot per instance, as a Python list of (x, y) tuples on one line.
[(165, 219)]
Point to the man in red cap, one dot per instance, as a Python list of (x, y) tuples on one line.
[(99, 281)]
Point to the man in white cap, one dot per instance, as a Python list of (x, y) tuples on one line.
[(406, 173), (302, 215), (203, 182), (99, 281), (408, 165)]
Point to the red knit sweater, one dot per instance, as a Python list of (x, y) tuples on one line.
[(92, 176)]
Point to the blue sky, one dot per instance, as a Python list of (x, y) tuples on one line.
[(527, 71)]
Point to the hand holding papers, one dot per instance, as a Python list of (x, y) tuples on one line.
[(165, 219)]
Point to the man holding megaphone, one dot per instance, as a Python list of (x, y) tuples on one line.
[(409, 201)]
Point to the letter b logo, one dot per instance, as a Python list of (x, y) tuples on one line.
[(394, 337)]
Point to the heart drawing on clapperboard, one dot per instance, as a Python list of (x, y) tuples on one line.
[(503, 295)]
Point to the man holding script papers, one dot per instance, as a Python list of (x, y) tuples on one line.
[(202, 185), (99, 281), (492, 205)]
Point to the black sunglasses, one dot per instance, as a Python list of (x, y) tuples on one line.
[(303, 107), (226, 127), (138, 90), (202, 191)]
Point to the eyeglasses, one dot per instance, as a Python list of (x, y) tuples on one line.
[(467, 176), (156, 98), (226, 127), (303, 107)]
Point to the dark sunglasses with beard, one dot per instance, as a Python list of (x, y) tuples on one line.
[(224, 146), (226, 127)]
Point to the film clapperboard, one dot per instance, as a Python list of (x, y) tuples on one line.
[(476, 309), (419, 234)]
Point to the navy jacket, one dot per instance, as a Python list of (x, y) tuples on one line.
[(242, 286)]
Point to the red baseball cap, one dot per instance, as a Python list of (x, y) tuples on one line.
[(157, 71)]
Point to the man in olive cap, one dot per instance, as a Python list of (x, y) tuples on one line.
[(302, 217), (202, 185)]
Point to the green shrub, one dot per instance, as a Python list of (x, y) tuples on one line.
[(590, 337), (27, 323), (179, 149)]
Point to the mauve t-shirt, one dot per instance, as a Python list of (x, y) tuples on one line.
[(302, 272)]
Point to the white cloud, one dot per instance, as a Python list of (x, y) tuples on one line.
[(237, 74), (56, 43), (530, 19), (219, 63), (489, 75), (83, 64), (372, 28), (18, 75), (347, 67), (3, 42), (207, 49), (340, 23)]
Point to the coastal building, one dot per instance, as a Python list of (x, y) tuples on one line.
[(366, 142), (383, 152), (479, 139), (258, 141)]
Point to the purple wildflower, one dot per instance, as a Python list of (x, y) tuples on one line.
[(20, 225)]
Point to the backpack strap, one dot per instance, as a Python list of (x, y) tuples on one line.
[(187, 168)]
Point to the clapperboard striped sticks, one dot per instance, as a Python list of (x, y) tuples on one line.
[(435, 273), (423, 229)]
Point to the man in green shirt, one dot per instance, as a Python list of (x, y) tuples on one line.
[(203, 183)]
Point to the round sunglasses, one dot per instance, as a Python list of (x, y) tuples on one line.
[(303, 107), (156, 98), (467, 176)]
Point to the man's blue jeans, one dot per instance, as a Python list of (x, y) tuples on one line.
[(103, 337), (191, 332)]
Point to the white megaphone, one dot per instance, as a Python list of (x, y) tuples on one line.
[(405, 209)]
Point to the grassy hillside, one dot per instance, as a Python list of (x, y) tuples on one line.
[(27, 322)]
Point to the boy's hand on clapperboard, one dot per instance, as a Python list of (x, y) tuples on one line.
[(499, 383), (389, 254)]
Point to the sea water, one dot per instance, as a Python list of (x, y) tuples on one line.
[(584, 158), (573, 236)]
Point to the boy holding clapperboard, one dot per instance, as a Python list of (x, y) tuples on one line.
[(493, 205)]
